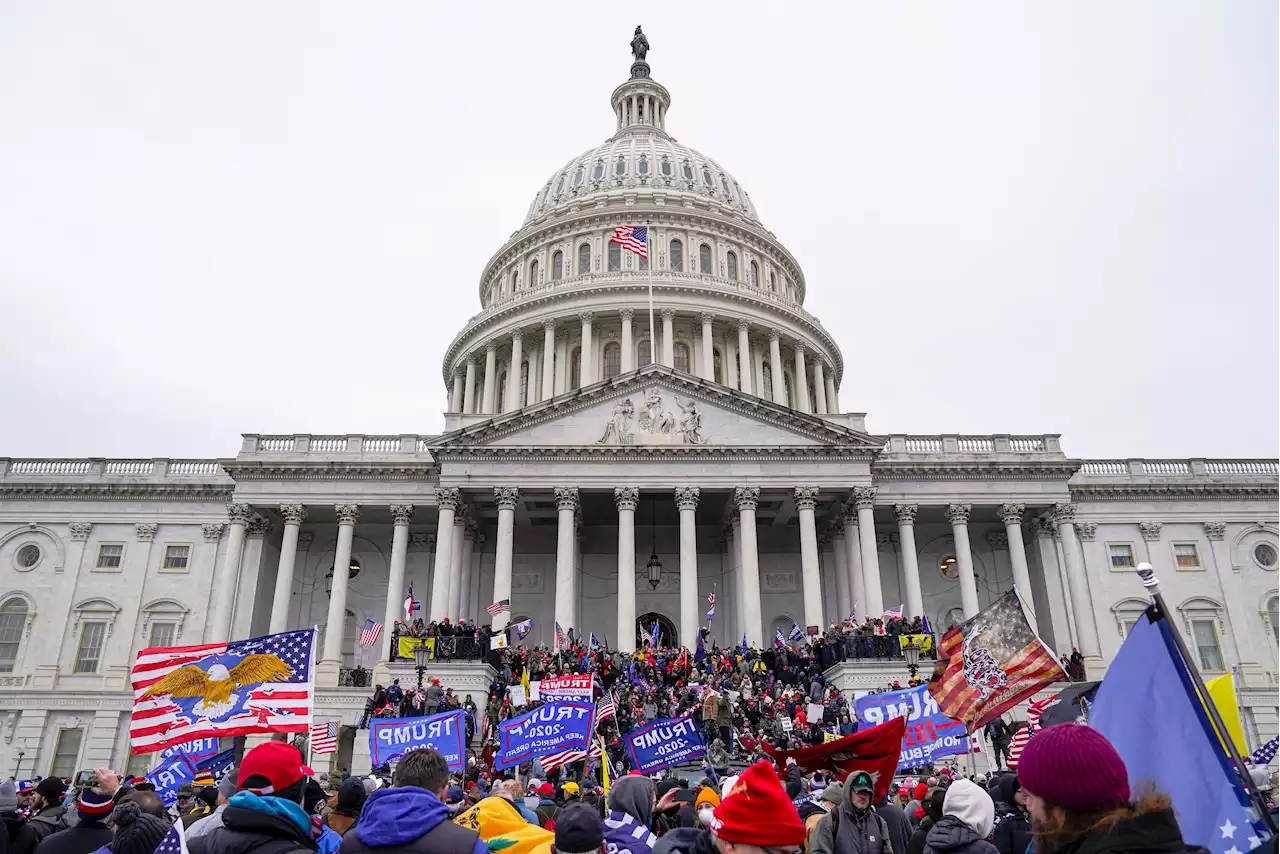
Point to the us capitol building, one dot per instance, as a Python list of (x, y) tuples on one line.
[(603, 473)]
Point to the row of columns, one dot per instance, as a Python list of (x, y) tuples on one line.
[(551, 362)]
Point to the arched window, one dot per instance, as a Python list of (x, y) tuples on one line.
[(560, 185), (706, 177), (676, 252), (665, 166), (704, 259), (766, 381), (717, 366), (578, 175), (641, 263), (754, 275), (620, 168), (575, 368), (681, 354), (502, 391), (1272, 611), (584, 259), (533, 274), (515, 281), (612, 360), (13, 621), (643, 167), (773, 286), (731, 260), (557, 266), (687, 169), (615, 257), (644, 354), (597, 172), (725, 184), (524, 384)]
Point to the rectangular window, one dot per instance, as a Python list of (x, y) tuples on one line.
[(1121, 556), (89, 652), (1186, 555), (66, 752), (1128, 626), (1204, 635), (13, 619), (161, 634), (176, 557), (110, 555)]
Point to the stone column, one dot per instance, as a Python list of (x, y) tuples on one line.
[(506, 496), (628, 348), (1064, 516), (958, 514), (448, 500), (833, 402), (453, 584), (853, 557), (730, 361), (567, 505), (1011, 515), (668, 337), (708, 366), (335, 624), (459, 595), (802, 382), (687, 502), (469, 393), (219, 628), (910, 559), (488, 403), (455, 397), (775, 369), (401, 516), (744, 356), (840, 560), (864, 499), (294, 515), (626, 498), (819, 388), (748, 498), (587, 370), (471, 596), (513, 372), (806, 500), (548, 359)]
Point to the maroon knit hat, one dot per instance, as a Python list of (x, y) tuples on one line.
[(1074, 767)]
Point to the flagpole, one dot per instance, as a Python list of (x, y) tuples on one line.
[(653, 333), (1149, 581)]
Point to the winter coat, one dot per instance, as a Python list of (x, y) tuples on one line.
[(915, 845), (1012, 833), (899, 828), (84, 838), (39, 827), (950, 835), (845, 830), (206, 824), (685, 840), (1153, 830), (408, 820), (262, 825)]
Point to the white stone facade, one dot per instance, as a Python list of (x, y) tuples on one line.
[(729, 457)]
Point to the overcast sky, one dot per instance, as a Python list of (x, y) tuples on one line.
[(219, 217)]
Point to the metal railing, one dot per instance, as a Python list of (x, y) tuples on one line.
[(1189, 468), (354, 677)]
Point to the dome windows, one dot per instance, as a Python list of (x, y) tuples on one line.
[(560, 186), (665, 166), (643, 166), (704, 258), (731, 259), (612, 360), (557, 266), (620, 168), (706, 177), (578, 175), (680, 352), (754, 274), (725, 184), (597, 171), (615, 258), (584, 259), (687, 169), (515, 281), (773, 285), (533, 274), (675, 251)]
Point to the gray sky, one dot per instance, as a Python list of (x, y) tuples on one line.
[(219, 218)]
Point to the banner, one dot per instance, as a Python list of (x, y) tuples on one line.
[(407, 645), (517, 695), (875, 750), (923, 642), (547, 729), (664, 743), (814, 713), (498, 641), (391, 738), (169, 775), (218, 764), (566, 688), (929, 733), (196, 750)]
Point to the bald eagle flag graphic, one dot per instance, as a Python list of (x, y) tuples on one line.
[(212, 690)]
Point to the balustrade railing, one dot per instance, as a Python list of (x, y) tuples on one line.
[(1190, 468), (151, 470), (139, 467), (995, 443), (381, 444)]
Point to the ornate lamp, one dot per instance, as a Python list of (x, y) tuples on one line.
[(912, 654), (421, 658), (352, 572), (653, 569)]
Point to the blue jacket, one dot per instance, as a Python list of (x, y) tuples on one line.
[(403, 818)]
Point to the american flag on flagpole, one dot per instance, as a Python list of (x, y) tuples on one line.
[(182, 693), (633, 238), (711, 612), (502, 606), (1020, 738), (553, 761), (174, 842), (1263, 755), (369, 636), (892, 613), (559, 637), (324, 738), (605, 708)]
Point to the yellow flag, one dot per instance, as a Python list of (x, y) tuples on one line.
[(502, 828), (524, 680), (604, 766), (1223, 693)]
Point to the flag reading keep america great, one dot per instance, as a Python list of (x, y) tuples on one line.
[(990, 663)]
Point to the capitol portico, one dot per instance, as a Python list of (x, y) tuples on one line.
[(603, 482)]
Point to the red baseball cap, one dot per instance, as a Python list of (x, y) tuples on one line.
[(280, 763)]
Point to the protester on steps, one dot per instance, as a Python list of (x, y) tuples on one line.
[(757, 816), (1077, 791), (410, 817), (967, 816), (854, 827), (1012, 832), (266, 813)]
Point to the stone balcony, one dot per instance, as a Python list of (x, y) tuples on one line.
[(96, 476), (353, 446)]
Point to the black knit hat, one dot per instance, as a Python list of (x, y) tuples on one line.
[(579, 828), (137, 832)]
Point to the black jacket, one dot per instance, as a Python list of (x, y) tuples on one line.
[(244, 830), (1155, 831), (952, 836), (899, 827), (915, 845), (45, 823), (1012, 833), (85, 838), (685, 840)]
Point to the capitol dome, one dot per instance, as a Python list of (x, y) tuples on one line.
[(564, 306)]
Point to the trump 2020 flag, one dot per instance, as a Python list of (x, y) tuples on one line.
[(181, 693), (1147, 707)]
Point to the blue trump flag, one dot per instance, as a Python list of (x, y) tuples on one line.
[(663, 743), (170, 774), (930, 734), (1148, 708), (552, 728), (218, 764), (391, 738)]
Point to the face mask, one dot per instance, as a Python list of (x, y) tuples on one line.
[(704, 816)]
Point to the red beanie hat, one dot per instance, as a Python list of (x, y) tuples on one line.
[(922, 790), (1074, 766), (758, 811)]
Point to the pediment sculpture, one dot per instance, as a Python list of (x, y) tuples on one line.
[(653, 425)]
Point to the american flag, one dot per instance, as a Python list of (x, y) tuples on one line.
[(1263, 755), (174, 842), (559, 637), (324, 737), (369, 636), (634, 238), (605, 708), (1022, 736), (502, 606), (892, 613), (711, 612), (262, 704), (552, 761)]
